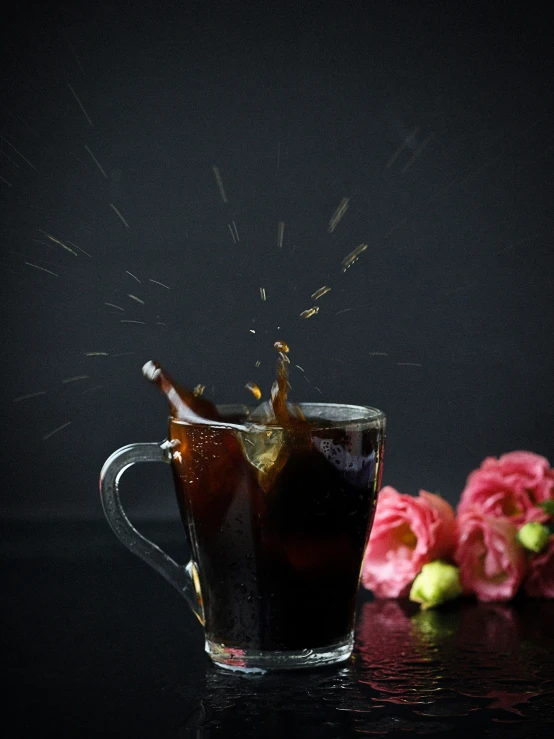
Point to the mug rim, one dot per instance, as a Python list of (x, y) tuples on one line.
[(360, 415)]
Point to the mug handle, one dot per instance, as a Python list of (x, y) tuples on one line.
[(182, 578)]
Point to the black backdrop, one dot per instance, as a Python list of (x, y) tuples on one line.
[(433, 119)]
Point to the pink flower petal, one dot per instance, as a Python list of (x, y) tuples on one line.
[(407, 533)]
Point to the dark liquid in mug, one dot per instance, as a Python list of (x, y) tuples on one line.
[(277, 517)]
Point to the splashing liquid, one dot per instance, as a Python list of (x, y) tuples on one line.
[(185, 405), (288, 416), (193, 407)]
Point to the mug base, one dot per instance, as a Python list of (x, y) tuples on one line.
[(260, 661)]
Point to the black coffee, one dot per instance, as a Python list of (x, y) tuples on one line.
[(278, 551)]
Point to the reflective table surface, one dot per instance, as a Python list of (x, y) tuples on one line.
[(94, 643)]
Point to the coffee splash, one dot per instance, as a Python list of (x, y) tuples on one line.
[(184, 404), (193, 408)]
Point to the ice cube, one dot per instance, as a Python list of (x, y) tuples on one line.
[(263, 413), (263, 447)]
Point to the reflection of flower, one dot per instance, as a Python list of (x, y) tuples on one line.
[(401, 650), (384, 635), (433, 626), (540, 580), (490, 627), (492, 562), (510, 487), (407, 533)]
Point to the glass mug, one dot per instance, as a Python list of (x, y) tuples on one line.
[(277, 521)]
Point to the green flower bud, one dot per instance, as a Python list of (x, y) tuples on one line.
[(548, 506), (436, 583), (533, 536)]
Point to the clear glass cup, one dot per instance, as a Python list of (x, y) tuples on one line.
[(277, 521)]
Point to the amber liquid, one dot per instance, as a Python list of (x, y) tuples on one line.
[(277, 518)]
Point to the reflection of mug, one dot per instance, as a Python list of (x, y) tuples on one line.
[(322, 703), (277, 520)]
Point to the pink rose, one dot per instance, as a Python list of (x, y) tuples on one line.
[(407, 533), (491, 560), (540, 580), (510, 487)]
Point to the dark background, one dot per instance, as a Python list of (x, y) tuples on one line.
[(434, 119)]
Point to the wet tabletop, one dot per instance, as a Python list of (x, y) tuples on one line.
[(94, 643)]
